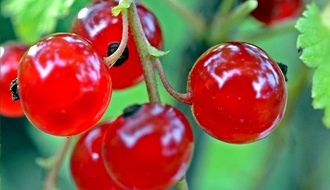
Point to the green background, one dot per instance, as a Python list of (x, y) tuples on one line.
[(301, 161)]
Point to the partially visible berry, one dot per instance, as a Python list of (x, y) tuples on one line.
[(10, 56), (97, 24), (148, 147), (271, 11), (86, 164), (64, 85)]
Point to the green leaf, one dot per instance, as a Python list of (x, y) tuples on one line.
[(33, 19), (156, 52), (314, 39)]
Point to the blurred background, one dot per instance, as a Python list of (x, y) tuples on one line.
[(295, 156)]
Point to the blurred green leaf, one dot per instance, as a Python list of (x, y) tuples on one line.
[(34, 18), (315, 42)]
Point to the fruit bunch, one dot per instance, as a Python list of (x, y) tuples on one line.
[(236, 91)]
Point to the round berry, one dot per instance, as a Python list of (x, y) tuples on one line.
[(86, 164), (64, 85), (238, 92), (97, 24), (10, 55), (148, 147), (270, 11)]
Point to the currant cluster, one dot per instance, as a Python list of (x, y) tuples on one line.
[(236, 91)]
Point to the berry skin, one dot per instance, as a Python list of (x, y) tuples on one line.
[(270, 11), (64, 85), (148, 147), (10, 55), (86, 164), (238, 92), (97, 24)]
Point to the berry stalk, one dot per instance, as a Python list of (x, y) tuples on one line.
[(51, 180), (184, 98), (111, 60), (142, 47)]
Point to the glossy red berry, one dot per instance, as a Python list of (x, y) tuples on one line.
[(64, 85), (97, 24), (148, 147), (270, 11), (10, 55), (86, 164), (238, 92)]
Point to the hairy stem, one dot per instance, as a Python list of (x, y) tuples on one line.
[(195, 21), (111, 60), (51, 180), (184, 98), (142, 47)]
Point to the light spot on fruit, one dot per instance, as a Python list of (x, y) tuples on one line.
[(2, 51), (131, 138), (82, 13)]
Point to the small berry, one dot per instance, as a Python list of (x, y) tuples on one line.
[(271, 11), (148, 147), (10, 56), (238, 92), (86, 164), (97, 24), (64, 85)]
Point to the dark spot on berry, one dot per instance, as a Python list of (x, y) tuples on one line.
[(131, 110), (284, 69), (300, 50), (112, 48), (14, 90)]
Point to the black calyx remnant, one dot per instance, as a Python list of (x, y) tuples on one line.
[(112, 48), (14, 90), (131, 110), (284, 70), (300, 50)]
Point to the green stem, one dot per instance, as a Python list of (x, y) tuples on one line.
[(182, 184), (271, 31), (195, 21), (221, 28), (51, 180), (142, 47)]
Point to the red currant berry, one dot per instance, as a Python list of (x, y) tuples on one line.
[(87, 168), (64, 85), (238, 92), (97, 24), (10, 55), (270, 11), (148, 147)]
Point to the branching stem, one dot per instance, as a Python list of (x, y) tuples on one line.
[(142, 47)]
